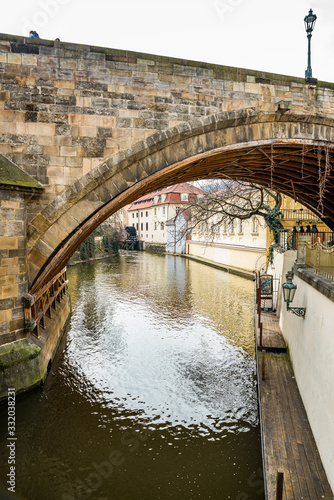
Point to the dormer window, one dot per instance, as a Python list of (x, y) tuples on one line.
[(184, 197)]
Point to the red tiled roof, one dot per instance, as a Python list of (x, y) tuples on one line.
[(172, 196)]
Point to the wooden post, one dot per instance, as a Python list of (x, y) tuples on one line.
[(261, 334), (263, 365), (259, 306), (279, 484)]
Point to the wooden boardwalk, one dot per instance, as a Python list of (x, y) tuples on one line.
[(288, 442)]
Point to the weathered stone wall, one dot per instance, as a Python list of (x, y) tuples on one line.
[(24, 363), (64, 108), (13, 275)]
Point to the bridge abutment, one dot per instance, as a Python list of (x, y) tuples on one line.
[(13, 264), (24, 357)]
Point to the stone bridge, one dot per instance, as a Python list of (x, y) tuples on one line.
[(94, 128)]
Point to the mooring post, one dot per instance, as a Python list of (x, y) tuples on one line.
[(279, 484), (263, 365)]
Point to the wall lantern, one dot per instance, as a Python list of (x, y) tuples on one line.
[(289, 290), (309, 21)]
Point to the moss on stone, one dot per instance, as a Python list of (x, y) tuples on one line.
[(20, 367), (17, 352), (12, 175)]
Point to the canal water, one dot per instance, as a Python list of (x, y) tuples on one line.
[(152, 394)]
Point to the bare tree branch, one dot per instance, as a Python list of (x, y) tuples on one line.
[(226, 202)]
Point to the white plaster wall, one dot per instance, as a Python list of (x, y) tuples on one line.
[(282, 263), (311, 344), (232, 257)]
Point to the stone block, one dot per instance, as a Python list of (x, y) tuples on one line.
[(64, 84), (15, 228), (51, 150), (8, 242), (86, 131), (68, 151), (86, 165), (6, 304), (62, 140), (10, 204), (84, 102), (45, 140), (7, 280), (5, 316), (37, 258), (13, 270), (10, 291), (9, 262), (14, 59), (29, 60)]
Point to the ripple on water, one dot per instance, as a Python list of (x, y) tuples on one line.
[(164, 366)]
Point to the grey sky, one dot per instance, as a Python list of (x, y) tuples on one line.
[(265, 35)]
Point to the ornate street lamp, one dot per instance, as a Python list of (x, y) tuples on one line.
[(309, 21), (289, 290)]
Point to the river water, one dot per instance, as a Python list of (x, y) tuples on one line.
[(152, 394)]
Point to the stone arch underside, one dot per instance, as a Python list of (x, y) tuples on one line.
[(290, 153)]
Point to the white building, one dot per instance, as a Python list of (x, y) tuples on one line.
[(150, 213)]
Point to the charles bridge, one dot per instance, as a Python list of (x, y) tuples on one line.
[(86, 130)]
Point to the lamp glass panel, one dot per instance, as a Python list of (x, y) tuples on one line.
[(292, 293), (286, 294)]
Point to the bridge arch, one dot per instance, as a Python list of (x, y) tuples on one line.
[(290, 152)]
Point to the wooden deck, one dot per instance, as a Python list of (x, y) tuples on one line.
[(288, 441)]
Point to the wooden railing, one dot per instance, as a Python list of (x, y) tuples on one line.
[(43, 302)]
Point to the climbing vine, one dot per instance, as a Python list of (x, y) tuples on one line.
[(273, 218)]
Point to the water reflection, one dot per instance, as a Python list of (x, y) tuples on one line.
[(156, 377)]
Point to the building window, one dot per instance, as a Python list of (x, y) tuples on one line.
[(146, 214), (155, 226), (224, 228), (146, 226), (164, 210), (133, 215), (141, 226), (232, 227), (141, 214), (161, 225), (137, 226), (241, 229), (184, 197), (137, 214), (255, 225), (155, 211)]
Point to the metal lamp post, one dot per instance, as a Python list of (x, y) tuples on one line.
[(289, 290), (309, 21)]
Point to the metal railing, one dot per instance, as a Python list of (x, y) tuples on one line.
[(43, 302), (288, 240), (321, 257), (301, 214)]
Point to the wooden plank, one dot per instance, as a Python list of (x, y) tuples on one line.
[(287, 437)]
